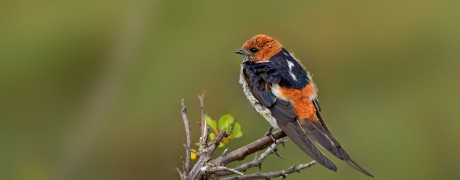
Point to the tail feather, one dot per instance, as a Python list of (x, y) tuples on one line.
[(357, 167), (325, 139)]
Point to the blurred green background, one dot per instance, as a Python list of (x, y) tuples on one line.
[(91, 89)]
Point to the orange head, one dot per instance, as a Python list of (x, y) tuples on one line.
[(260, 48)]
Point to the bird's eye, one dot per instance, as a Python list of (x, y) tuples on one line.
[(253, 50)]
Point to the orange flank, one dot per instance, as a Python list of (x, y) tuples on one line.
[(301, 102), (266, 45)]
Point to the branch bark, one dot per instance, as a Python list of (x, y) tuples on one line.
[(189, 137), (204, 127), (248, 149), (257, 162)]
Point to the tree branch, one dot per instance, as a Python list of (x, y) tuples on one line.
[(204, 127), (220, 169), (282, 173), (189, 138), (208, 168), (249, 149), (257, 162)]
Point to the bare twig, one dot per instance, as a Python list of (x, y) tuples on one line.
[(182, 176), (282, 173), (208, 169), (224, 153), (189, 137), (204, 127), (219, 138), (257, 162)]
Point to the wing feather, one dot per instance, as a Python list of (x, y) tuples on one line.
[(321, 133)]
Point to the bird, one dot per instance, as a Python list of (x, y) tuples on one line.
[(283, 92)]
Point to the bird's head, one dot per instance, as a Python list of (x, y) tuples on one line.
[(260, 48)]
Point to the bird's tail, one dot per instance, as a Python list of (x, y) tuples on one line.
[(324, 138)]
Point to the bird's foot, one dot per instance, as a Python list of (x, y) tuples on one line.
[(276, 153), (269, 134)]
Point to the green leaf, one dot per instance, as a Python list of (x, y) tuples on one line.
[(237, 133), (211, 123), (225, 122), (221, 145), (212, 136)]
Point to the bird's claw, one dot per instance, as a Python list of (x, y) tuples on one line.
[(269, 134), (276, 153)]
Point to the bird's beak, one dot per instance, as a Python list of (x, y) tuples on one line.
[(240, 51)]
